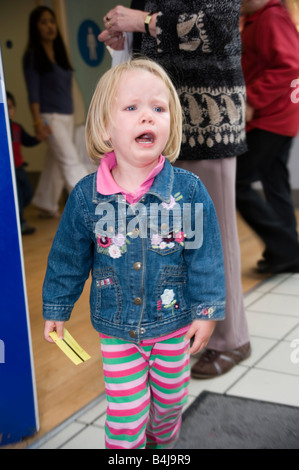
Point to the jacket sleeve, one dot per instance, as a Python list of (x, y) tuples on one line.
[(206, 278), (69, 261), (207, 27), (279, 63), (27, 139)]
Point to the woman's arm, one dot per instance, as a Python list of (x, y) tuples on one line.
[(42, 130), (121, 19)]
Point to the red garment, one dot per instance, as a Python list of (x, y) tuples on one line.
[(16, 144), (270, 62)]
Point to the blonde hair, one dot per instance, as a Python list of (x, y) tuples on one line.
[(100, 110)]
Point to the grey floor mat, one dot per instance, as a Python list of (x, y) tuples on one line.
[(216, 421)]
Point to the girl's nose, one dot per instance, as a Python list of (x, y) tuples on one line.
[(147, 116)]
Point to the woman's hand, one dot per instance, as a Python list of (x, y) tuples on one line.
[(202, 331), (115, 41), (51, 326), (42, 131), (122, 19), (249, 112)]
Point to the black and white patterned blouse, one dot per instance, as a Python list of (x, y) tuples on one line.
[(198, 43)]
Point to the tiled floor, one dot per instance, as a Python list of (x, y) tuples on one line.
[(270, 374)]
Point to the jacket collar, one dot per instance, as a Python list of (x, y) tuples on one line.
[(161, 187)]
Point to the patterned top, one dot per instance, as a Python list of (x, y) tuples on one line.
[(198, 43)]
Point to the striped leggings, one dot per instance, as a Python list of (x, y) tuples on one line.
[(146, 389)]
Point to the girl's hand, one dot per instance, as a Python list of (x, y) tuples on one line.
[(202, 331), (53, 326)]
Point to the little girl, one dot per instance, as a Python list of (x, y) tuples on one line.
[(149, 235)]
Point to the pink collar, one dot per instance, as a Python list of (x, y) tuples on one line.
[(106, 184)]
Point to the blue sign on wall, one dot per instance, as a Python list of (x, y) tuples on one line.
[(91, 50), (18, 404)]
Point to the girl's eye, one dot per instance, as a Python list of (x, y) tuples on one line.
[(158, 109), (131, 108)]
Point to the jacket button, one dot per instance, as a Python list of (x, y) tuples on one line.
[(137, 301), (137, 265), (142, 331), (132, 333)]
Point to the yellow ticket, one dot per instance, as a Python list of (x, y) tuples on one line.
[(70, 347)]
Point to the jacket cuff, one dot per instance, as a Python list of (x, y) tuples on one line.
[(214, 311), (57, 312)]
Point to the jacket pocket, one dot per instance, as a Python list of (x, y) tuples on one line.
[(170, 292), (106, 297), (164, 238)]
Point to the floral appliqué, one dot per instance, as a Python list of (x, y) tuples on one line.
[(114, 247), (208, 311), (168, 300)]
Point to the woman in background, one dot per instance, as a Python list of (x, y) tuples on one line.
[(48, 75)]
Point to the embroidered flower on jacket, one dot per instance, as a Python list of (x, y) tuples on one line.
[(208, 311), (104, 241), (114, 251), (156, 239), (119, 239), (114, 247), (170, 205), (168, 300), (173, 200), (179, 238)]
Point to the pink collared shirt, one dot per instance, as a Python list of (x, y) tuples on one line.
[(106, 185)]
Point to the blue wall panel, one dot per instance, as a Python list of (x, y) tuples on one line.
[(18, 409)]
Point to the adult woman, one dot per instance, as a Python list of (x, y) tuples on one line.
[(48, 75), (198, 43)]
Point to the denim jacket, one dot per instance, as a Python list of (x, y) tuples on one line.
[(155, 266)]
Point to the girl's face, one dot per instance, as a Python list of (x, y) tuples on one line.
[(140, 125), (47, 27)]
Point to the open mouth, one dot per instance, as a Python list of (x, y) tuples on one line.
[(147, 138)]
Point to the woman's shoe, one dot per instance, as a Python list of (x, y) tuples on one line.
[(213, 363)]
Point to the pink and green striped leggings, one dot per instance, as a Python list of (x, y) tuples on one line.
[(146, 389)]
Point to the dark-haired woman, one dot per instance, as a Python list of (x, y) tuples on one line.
[(48, 75)]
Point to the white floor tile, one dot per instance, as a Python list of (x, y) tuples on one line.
[(94, 413), (90, 438), (67, 433), (217, 385), (252, 297), (290, 287), (268, 325), (270, 283), (268, 386), (294, 334), (280, 360), (277, 303), (259, 347)]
